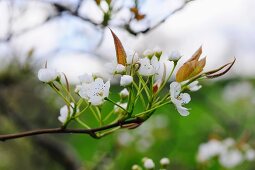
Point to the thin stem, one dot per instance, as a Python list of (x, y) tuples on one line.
[(77, 115), (94, 113), (108, 115), (99, 115), (153, 108), (61, 95), (139, 94), (68, 92), (113, 102), (146, 89), (82, 123), (164, 83)]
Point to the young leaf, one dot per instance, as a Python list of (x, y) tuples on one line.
[(196, 55), (120, 52), (216, 73), (190, 69)]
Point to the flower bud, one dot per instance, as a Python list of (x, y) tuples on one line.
[(164, 162), (149, 164), (48, 75), (174, 56), (136, 167), (157, 52), (124, 93), (120, 68), (148, 53), (194, 86), (126, 80)]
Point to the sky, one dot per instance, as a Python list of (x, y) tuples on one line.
[(224, 28)]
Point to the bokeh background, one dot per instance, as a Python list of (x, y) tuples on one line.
[(73, 37)]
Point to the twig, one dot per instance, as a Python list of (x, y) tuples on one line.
[(91, 132), (131, 31)]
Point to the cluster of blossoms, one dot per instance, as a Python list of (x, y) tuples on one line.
[(228, 152), (143, 78), (149, 164)]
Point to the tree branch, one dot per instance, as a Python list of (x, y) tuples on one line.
[(91, 132), (131, 31)]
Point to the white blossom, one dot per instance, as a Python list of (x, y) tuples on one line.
[(64, 113), (174, 56), (230, 158), (47, 75), (149, 164), (194, 86), (126, 80), (148, 67), (208, 150), (95, 92), (250, 154), (124, 93), (179, 98), (164, 161)]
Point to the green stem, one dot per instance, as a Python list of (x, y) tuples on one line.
[(81, 112), (99, 115), (153, 108), (164, 82), (95, 114), (68, 92), (61, 95), (113, 102), (108, 131), (146, 89), (108, 115), (139, 95), (82, 123)]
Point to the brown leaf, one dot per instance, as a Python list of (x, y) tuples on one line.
[(120, 52), (215, 73), (196, 55), (190, 69)]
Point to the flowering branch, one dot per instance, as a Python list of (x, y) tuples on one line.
[(143, 79)]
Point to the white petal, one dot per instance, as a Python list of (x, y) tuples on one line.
[(120, 68), (175, 89), (194, 86), (175, 56), (182, 110), (47, 75), (126, 80), (124, 93), (96, 100), (155, 63), (184, 98), (106, 89)]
